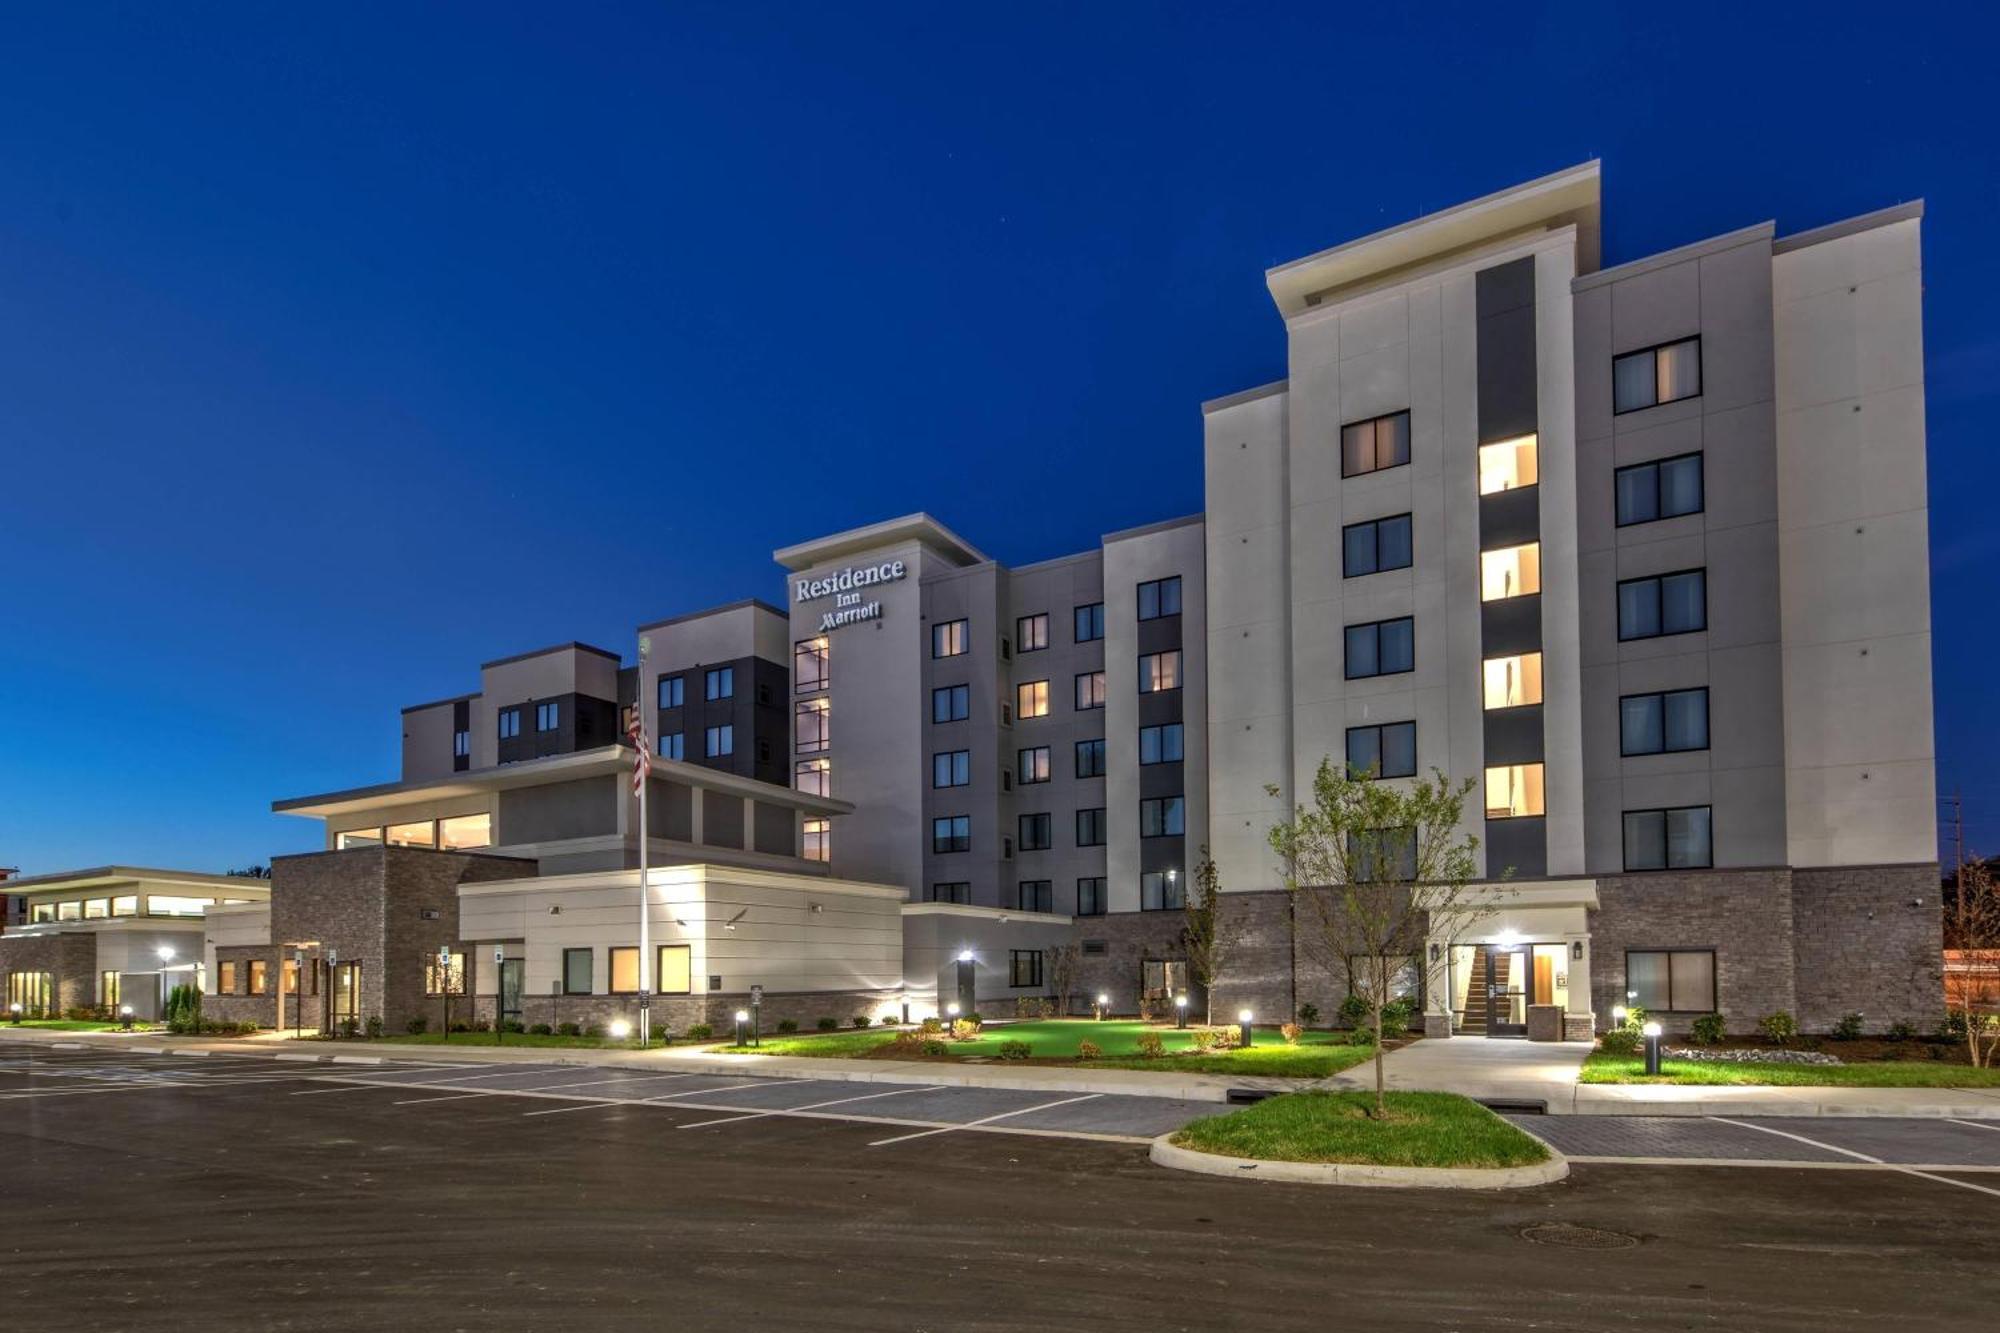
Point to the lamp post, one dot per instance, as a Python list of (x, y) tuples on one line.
[(1652, 1034), (1243, 1017), (1180, 1010), (499, 994)]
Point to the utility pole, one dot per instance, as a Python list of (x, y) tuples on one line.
[(1958, 856)]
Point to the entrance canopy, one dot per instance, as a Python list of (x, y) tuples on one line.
[(1549, 909)]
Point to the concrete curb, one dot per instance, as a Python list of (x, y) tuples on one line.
[(1556, 1168)]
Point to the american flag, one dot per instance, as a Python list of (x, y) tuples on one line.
[(642, 767)]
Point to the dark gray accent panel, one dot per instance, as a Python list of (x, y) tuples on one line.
[(670, 810), (1505, 287), (1160, 707), (1506, 343), (586, 808), (1511, 626), (1162, 854), (774, 829), (1159, 634), (721, 820), (1514, 735), (1510, 518), (1519, 846), (1162, 780)]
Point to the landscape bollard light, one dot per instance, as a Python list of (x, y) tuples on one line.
[(742, 1022), (1618, 1015), (1652, 1032), (14, 1010), (1243, 1017), (1103, 1007), (620, 1029), (125, 1016), (1180, 1011)]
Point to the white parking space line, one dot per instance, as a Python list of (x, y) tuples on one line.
[(604, 1104), (593, 1082), (1834, 1147), (455, 1097), (1978, 1124), (987, 1120), (349, 1087), (811, 1106)]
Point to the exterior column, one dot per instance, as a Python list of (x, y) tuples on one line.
[(1579, 1023), (1437, 986)]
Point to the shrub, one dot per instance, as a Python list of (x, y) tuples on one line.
[(1779, 1027), (1207, 1039), (1361, 1036), (1900, 1031), (1089, 1050), (1290, 1032), (1045, 1008), (788, 1025), (1015, 1050), (515, 1025), (828, 1023), (374, 1025), (1025, 1006), (1706, 1030), (1308, 1014), (862, 1020), (593, 1029), (1396, 1016), (542, 1030), (455, 1027), (930, 1027), (1622, 1040), (1354, 1010), (571, 1029), (416, 1027), (1848, 1028), (932, 1046), (965, 1029), (348, 1027), (975, 1017), (1150, 1046), (700, 1032)]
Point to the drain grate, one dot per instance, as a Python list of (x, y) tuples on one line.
[(1572, 1237)]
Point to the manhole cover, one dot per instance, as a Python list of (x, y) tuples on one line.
[(1577, 1238)]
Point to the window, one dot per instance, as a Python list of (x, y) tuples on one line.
[(951, 768), (816, 839), (1031, 633), (576, 971), (1031, 699), (465, 832), (420, 834), (289, 976), (125, 904), (171, 905), (809, 726), (461, 744), (1371, 547), (813, 776), (95, 908), (1667, 489), (955, 892), (673, 746), (1381, 648), (624, 969), (40, 912), (1663, 723), (1163, 817), (809, 665), (107, 989), (673, 692), (357, 837), (1371, 446), (1387, 751), (1024, 967), (1678, 839), (548, 716), (1036, 833), (951, 833), (1032, 766), (1381, 854), (1162, 891), (720, 741), (1090, 827), (673, 973), (948, 638), (951, 703), (1655, 375), (1090, 896), (1160, 597), (225, 978), (719, 683), (1089, 690), (1665, 604), (1090, 622), (1160, 671), (1508, 465), (1512, 571), (1090, 758), (1034, 895), (1671, 980), (260, 976), (1513, 682), (510, 723), (440, 978), (1514, 791), (1160, 745)]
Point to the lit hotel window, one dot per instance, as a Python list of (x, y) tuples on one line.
[(462, 832), (809, 665), (1513, 571), (420, 834), (814, 777), (809, 727), (1513, 682), (1509, 465), (1031, 699), (818, 839), (1513, 791)]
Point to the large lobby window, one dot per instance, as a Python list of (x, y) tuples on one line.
[(160, 904), (422, 833), (814, 777), (1655, 375), (1031, 633), (94, 908), (576, 973), (1089, 690), (1161, 744), (1678, 839), (1512, 571), (1031, 699), (948, 639), (1163, 817), (1159, 672), (1090, 827), (1032, 765), (1385, 751), (1024, 966), (673, 972), (440, 978), (1513, 682), (809, 665), (1508, 465), (951, 703), (1090, 758), (1381, 648), (624, 969), (463, 832), (951, 833), (1377, 545), (1372, 446), (816, 836), (1089, 622), (41, 912), (809, 726), (125, 904), (1671, 980), (1514, 791), (1651, 608), (951, 768), (720, 742), (1160, 597), (1665, 723), (260, 976)]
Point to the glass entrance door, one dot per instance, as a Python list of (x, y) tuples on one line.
[(1161, 979), (510, 989), (1506, 978), (346, 994)]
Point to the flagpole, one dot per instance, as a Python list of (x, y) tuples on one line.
[(645, 923)]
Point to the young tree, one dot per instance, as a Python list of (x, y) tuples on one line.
[(1374, 868), (1972, 967), (1205, 936), (1062, 964)]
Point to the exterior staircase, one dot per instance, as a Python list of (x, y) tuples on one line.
[(1489, 968)]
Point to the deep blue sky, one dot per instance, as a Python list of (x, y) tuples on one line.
[(342, 350)]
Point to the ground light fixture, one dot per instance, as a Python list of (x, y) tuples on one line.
[(951, 1011), (1618, 1015), (1180, 1010), (1243, 1017), (965, 955), (14, 1010), (125, 1016), (1652, 1034), (742, 1024), (1103, 1006), (620, 1029)]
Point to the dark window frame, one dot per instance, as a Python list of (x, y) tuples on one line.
[(1035, 895), (1099, 761), (1375, 543), (941, 632), (1161, 590), (955, 765), (1618, 598), (1347, 668), (1173, 879), (816, 650), (1087, 623), (1097, 691), (1024, 968), (1666, 841), (958, 891), (1025, 774), (1094, 815), (1653, 350), (1160, 733), (1036, 831), (1625, 751), (1094, 904), (1146, 677), (958, 704), (1714, 979), (1023, 640), (661, 691), (1409, 435), (1654, 466), (1382, 749), (952, 842), (718, 683), (1155, 820)]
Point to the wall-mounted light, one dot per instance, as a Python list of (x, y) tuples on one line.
[(1576, 950)]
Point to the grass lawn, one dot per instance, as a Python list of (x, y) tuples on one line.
[(1422, 1129), (511, 1039), (77, 1025), (1605, 1068), (1317, 1055)]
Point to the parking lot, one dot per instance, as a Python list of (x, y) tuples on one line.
[(252, 1192)]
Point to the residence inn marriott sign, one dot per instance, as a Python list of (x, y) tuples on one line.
[(843, 588)]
